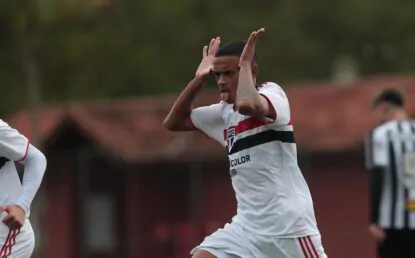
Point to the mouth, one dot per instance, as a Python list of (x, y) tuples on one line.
[(224, 91)]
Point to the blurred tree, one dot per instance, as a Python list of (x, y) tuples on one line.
[(114, 48)]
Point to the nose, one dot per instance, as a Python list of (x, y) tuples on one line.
[(221, 80)]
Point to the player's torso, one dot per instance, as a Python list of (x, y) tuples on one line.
[(400, 137), (263, 167), (255, 144)]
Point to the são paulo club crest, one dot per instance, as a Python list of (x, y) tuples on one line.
[(230, 137)]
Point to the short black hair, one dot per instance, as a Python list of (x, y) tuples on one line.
[(391, 96), (233, 48)]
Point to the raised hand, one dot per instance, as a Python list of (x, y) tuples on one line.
[(249, 50), (209, 52)]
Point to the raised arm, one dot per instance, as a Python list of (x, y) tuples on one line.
[(178, 118), (248, 101)]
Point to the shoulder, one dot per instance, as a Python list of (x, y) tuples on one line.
[(381, 131), (221, 106), (271, 87), (215, 106), (4, 126), (6, 131)]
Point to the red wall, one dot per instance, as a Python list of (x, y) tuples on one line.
[(161, 205), (59, 220), (157, 200), (339, 186)]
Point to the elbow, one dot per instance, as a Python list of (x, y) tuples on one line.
[(167, 124), (42, 163), (248, 107), (170, 125)]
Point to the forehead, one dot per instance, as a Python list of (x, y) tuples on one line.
[(225, 63)]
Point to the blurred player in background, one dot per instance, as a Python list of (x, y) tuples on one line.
[(16, 234), (390, 157), (275, 215)]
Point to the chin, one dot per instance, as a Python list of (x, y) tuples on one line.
[(226, 98)]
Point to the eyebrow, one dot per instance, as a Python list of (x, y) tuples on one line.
[(227, 69)]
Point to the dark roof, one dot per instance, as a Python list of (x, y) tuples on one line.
[(326, 117)]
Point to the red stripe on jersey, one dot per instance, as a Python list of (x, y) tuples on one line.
[(272, 113), (262, 85), (25, 154), (247, 124)]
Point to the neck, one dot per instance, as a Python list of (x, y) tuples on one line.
[(399, 115)]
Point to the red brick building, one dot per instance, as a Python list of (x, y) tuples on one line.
[(119, 185)]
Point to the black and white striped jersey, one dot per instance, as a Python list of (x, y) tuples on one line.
[(390, 155)]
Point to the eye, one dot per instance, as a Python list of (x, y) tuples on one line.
[(227, 73)]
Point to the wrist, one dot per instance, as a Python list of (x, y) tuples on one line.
[(25, 208), (200, 78), (245, 64), (198, 82)]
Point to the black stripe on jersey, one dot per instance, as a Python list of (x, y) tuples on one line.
[(261, 138), (369, 150), (413, 132), (394, 178), (406, 191), (3, 161)]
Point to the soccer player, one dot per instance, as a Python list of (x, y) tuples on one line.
[(16, 234), (275, 215), (390, 157)]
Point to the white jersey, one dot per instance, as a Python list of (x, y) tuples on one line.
[(13, 147), (272, 195)]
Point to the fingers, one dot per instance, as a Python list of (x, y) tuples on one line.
[(216, 45), (259, 33), (254, 36), (8, 219), (212, 41), (4, 209), (213, 46), (205, 51), (15, 224), (12, 222)]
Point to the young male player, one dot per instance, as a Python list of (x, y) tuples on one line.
[(275, 216), (390, 158), (16, 234)]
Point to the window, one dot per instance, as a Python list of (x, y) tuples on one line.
[(101, 223)]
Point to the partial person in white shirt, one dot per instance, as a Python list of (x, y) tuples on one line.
[(275, 215), (16, 234)]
